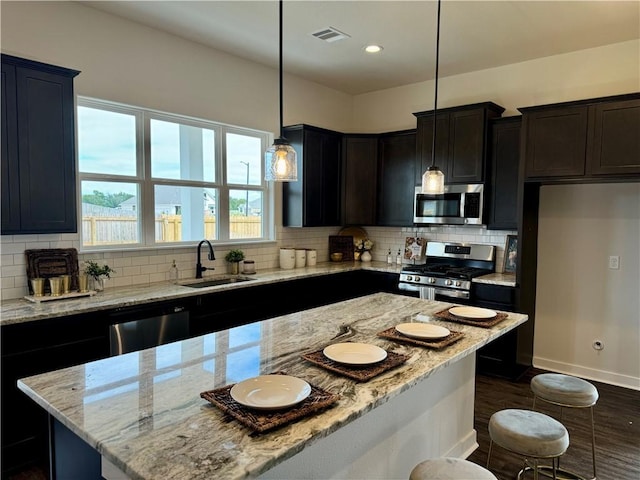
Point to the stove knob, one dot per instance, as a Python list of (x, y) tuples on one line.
[(409, 278), (448, 282), (416, 278), (458, 283), (431, 280)]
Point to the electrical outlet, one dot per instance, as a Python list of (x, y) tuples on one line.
[(614, 262)]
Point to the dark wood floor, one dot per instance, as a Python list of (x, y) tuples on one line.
[(617, 420), (617, 417)]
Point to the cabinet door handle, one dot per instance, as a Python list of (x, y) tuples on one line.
[(178, 309)]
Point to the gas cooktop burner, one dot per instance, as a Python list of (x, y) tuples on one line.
[(452, 271)]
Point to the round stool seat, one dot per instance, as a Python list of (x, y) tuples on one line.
[(449, 468), (564, 390), (529, 433)]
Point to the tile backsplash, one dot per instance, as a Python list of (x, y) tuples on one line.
[(136, 267)]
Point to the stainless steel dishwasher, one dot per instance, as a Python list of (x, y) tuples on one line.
[(137, 328)]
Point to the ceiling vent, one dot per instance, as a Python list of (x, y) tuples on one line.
[(330, 34)]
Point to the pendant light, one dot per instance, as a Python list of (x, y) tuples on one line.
[(280, 158), (433, 178)]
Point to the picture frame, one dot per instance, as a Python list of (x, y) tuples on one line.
[(510, 254)]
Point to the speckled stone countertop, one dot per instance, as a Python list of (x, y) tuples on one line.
[(21, 310), (142, 411), (504, 279)]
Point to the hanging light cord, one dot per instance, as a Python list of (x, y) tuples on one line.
[(435, 99), (280, 60)]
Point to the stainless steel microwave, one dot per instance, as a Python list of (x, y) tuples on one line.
[(458, 205)]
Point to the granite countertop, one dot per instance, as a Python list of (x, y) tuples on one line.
[(21, 310), (142, 411), (504, 279)]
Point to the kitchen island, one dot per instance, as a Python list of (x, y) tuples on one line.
[(142, 412)]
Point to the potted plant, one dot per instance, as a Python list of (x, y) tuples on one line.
[(234, 257), (98, 273)]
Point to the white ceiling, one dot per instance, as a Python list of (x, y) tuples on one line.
[(475, 34)]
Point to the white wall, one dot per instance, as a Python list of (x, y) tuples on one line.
[(579, 299), (123, 61), (595, 72)]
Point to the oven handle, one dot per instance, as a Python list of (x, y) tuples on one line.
[(429, 293)]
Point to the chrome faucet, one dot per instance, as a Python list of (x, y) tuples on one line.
[(199, 267)]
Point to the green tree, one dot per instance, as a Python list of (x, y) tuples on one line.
[(234, 204), (111, 200)]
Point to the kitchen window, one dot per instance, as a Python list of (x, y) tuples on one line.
[(149, 178)]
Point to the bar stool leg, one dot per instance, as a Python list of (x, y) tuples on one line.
[(593, 444), (489, 455)]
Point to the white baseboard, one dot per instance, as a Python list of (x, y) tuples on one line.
[(602, 376)]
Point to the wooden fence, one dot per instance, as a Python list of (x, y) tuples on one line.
[(168, 228)]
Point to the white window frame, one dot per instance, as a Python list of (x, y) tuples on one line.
[(146, 183)]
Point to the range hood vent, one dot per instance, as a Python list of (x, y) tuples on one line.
[(330, 34)]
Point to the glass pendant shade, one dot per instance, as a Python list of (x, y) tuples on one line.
[(433, 181), (281, 162)]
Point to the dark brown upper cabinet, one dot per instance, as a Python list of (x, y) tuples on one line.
[(396, 164), (359, 179), (461, 141), (314, 199), (614, 147), (584, 140), (38, 148), (502, 187)]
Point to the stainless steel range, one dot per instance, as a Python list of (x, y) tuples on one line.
[(448, 270)]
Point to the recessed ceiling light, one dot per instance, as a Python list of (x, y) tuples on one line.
[(373, 48)]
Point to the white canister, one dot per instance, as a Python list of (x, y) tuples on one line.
[(312, 258), (301, 258), (287, 258)]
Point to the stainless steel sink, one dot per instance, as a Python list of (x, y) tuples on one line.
[(214, 282)]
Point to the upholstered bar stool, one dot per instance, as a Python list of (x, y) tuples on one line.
[(571, 392), (449, 468), (531, 434)]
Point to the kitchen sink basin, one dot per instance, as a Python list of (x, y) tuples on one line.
[(214, 282)]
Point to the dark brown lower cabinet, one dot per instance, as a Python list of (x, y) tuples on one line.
[(503, 356), (29, 349)]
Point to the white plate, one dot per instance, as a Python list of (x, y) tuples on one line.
[(270, 392), (472, 313), (353, 353), (422, 330)]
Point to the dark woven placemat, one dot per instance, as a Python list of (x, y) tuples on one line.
[(436, 343), (444, 314), (361, 374), (261, 421)]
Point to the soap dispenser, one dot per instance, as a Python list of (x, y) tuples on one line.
[(173, 273)]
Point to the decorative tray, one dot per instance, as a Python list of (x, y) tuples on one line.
[(361, 374), (64, 296), (52, 262), (342, 244), (437, 343), (261, 421), (445, 315)]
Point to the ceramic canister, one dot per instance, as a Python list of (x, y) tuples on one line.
[(312, 257), (287, 258), (301, 258)]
